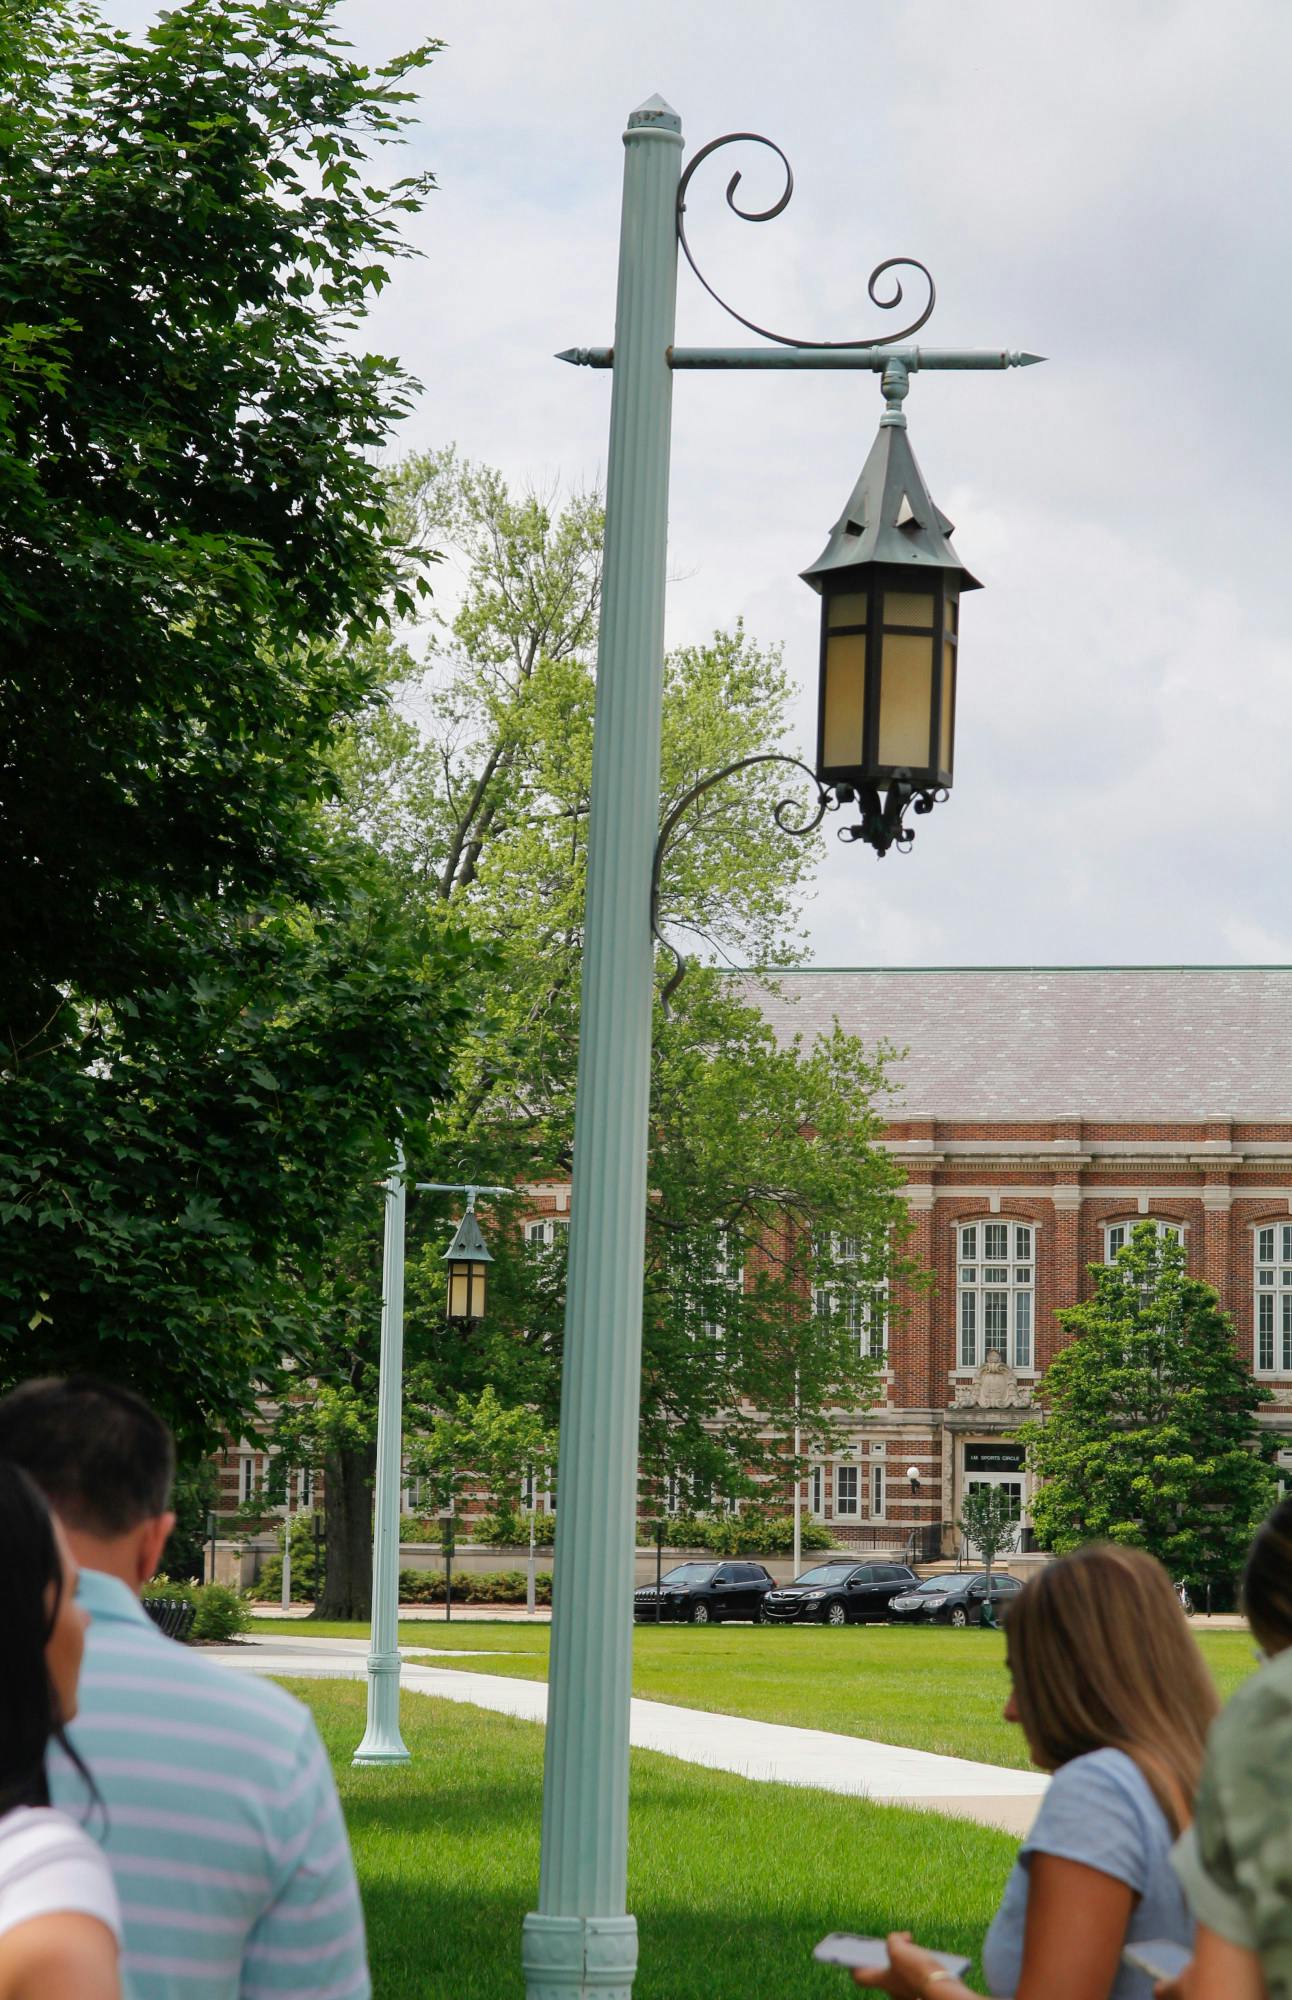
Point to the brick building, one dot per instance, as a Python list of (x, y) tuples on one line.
[(1039, 1114)]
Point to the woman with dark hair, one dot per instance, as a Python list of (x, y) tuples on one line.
[(59, 1923), (1114, 1698), (1236, 1864)]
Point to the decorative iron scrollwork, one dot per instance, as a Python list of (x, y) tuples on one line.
[(769, 215)]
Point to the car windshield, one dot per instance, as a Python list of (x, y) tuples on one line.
[(939, 1585), (690, 1573), (823, 1573)]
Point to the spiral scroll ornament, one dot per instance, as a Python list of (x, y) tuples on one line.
[(873, 284)]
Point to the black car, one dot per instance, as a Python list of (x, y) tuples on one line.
[(704, 1593), (839, 1593), (956, 1599)]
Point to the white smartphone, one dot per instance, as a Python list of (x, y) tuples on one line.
[(871, 1954), (1161, 1958)]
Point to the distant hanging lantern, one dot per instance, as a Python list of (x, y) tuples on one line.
[(890, 584), (468, 1260)]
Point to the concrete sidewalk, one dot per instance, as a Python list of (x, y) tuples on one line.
[(769, 1752)]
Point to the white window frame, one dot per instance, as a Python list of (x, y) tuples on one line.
[(996, 1313), (1272, 1309), (731, 1277), (1122, 1227), (865, 1311), (541, 1232), (536, 1491), (248, 1484), (816, 1492), (877, 1494), (849, 1509)]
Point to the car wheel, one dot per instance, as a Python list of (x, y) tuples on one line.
[(699, 1614), (836, 1614), (959, 1616), (760, 1613)]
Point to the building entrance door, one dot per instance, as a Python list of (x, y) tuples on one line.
[(1001, 1465)]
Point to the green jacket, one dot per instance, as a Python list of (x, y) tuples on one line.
[(1236, 1860)]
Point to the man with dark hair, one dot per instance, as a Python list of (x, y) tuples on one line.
[(222, 1824)]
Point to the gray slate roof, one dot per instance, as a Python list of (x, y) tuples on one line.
[(1109, 1043)]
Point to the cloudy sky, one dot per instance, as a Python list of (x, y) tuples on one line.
[(1105, 184)]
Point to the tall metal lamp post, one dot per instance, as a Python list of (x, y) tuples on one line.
[(885, 743), (467, 1258)]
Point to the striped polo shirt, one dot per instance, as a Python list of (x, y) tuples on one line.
[(223, 1827)]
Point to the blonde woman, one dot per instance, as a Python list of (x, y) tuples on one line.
[(1113, 1698)]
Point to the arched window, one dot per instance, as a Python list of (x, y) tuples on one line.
[(1273, 1246), (996, 1288), (1118, 1234)]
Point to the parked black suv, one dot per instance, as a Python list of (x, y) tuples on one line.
[(955, 1599), (839, 1593), (704, 1593)]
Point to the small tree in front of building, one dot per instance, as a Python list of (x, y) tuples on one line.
[(1150, 1433), (987, 1523)]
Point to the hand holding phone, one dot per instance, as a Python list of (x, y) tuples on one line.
[(1161, 1958), (871, 1954)]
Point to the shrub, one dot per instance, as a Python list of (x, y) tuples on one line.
[(220, 1611), (499, 1586), (507, 1527), (748, 1534), (268, 1586)]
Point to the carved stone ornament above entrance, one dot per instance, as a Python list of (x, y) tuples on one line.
[(994, 1387)]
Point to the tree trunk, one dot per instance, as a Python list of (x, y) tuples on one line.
[(347, 1587)]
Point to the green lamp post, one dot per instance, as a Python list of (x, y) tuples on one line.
[(886, 741)]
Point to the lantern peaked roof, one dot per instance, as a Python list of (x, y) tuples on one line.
[(890, 516), (468, 1246)]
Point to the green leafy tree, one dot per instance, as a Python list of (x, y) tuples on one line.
[(215, 1009), (484, 1443), (192, 513), (987, 1523), (774, 1214), (1150, 1434)]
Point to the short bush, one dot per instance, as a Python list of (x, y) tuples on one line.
[(749, 1534), (499, 1586), (220, 1611), (507, 1527)]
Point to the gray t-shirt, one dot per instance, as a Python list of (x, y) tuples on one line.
[(1099, 1811)]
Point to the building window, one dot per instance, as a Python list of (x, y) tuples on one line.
[(1118, 1234), (536, 1492), (723, 1276), (995, 1282), (246, 1478), (847, 1505), (862, 1307), (1274, 1299), (544, 1235), (876, 1492), (816, 1492)]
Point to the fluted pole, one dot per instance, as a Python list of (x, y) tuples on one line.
[(580, 1942), (382, 1742)]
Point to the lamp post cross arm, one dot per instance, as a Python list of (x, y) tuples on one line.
[(873, 359)]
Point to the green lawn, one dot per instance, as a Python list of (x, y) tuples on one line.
[(731, 1882), (930, 1689)]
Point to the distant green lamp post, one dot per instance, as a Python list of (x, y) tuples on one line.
[(467, 1258), (885, 743)]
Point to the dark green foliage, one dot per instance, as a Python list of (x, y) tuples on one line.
[(196, 1492), (215, 1010), (1150, 1434), (752, 1532), (220, 1611), (190, 509), (490, 1586)]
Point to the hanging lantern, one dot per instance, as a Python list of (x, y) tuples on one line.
[(468, 1260), (890, 585)]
